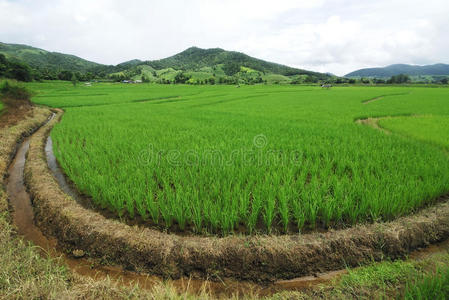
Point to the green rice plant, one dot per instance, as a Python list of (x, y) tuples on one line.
[(258, 158)]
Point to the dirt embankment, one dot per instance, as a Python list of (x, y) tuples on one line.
[(11, 134), (258, 258), (15, 111)]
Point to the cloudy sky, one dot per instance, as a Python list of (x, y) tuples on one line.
[(335, 36)]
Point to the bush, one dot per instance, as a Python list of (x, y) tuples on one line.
[(14, 91)]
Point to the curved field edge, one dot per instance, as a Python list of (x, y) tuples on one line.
[(261, 258)]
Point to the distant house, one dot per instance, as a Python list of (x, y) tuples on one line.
[(137, 81), (87, 84), (125, 81)]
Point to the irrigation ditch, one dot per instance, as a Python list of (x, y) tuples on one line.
[(90, 244)]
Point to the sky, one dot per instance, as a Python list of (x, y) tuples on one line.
[(336, 36)]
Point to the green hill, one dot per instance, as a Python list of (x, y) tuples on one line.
[(193, 66), (411, 70), (42, 59), (195, 58)]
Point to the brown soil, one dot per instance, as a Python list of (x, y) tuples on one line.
[(372, 100), (384, 96), (374, 123), (14, 112), (257, 258)]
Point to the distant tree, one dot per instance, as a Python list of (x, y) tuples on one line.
[(65, 75), (352, 81), (89, 76), (74, 79), (398, 79), (181, 77), (145, 79), (311, 79), (19, 71), (3, 65), (379, 81), (365, 80), (444, 81), (231, 68)]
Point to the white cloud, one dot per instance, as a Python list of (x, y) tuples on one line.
[(325, 35)]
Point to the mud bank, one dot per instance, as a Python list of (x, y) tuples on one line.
[(257, 258)]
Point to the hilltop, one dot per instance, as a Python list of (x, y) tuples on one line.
[(41, 59), (196, 66), (196, 58)]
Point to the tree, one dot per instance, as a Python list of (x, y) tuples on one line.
[(3, 65), (145, 79), (65, 75), (365, 80), (401, 78), (231, 68), (444, 81), (181, 78), (74, 80), (19, 71), (378, 81), (311, 79)]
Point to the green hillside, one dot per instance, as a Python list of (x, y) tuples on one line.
[(195, 58), (42, 59), (192, 66), (209, 66), (411, 70)]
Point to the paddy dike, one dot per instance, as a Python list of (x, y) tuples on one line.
[(260, 258)]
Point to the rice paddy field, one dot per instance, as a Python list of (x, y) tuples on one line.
[(271, 159)]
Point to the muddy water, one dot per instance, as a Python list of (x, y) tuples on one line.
[(23, 215), (23, 218)]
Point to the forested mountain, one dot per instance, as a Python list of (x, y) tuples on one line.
[(197, 58), (42, 59), (411, 70), (193, 66)]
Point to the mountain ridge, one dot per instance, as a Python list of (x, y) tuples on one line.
[(40, 59), (191, 59), (407, 69)]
